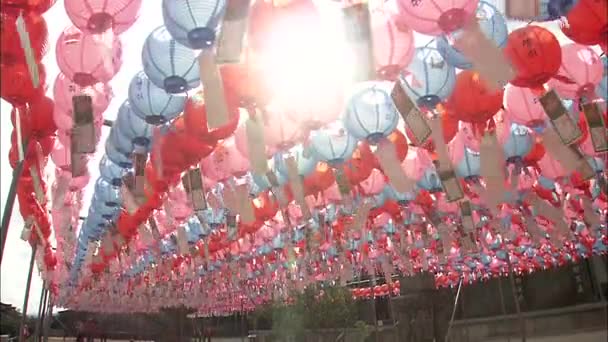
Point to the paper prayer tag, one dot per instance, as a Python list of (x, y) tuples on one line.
[(277, 190), (467, 216), (361, 217), (26, 233), (387, 156), (485, 56), (154, 229), (358, 34), (139, 167), (569, 157), (193, 184), (296, 185), (553, 214), (83, 131), (492, 168), (256, 145), (411, 114), (232, 34), (215, 99), (524, 10), (449, 181), (566, 128), (536, 233), (243, 203), (597, 126), (30, 59), (182, 240), (589, 215)]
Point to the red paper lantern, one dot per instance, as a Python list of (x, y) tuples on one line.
[(535, 154), (535, 54), (360, 165), (11, 51), (37, 6), (472, 101), (16, 86), (588, 22), (319, 180)]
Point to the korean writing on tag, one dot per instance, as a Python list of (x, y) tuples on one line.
[(232, 34), (563, 124), (215, 99), (139, 167), (193, 184), (83, 132), (411, 114), (358, 34), (485, 56), (597, 127), (255, 145)]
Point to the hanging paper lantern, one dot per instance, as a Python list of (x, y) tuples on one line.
[(430, 181), (417, 161), (16, 85), (110, 171), (107, 193), (152, 103), (472, 101), (398, 140), (193, 23), (85, 59), (169, 65), (551, 168), (65, 89), (536, 153), (333, 144), (535, 54), (469, 166), (587, 22), (319, 180), (428, 79), (224, 162), (581, 71), (131, 126), (373, 184), (435, 18), (393, 42), (116, 156), (195, 119), (493, 26), (35, 6), (370, 112), (518, 144), (98, 16), (281, 131), (306, 160), (522, 107), (11, 51)]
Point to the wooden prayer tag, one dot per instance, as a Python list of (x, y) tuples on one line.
[(411, 114), (570, 157), (467, 216), (566, 128), (387, 156), (154, 229), (193, 184), (232, 34), (342, 182), (215, 99), (255, 145), (358, 34), (139, 167), (523, 10), (597, 127), (231, 224), (83, 132)]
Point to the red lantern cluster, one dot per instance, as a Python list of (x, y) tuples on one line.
[(384, 290), (32, 116)]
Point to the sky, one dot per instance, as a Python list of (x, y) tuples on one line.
[(17, 252)]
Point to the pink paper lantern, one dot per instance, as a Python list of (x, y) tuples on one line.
[(522, 106), (97, 16), (281, 131), (416, 162), (581, 71), (63, 91), (86, 59), (224, 162), (393, 42), (374, 184), (437, 17)]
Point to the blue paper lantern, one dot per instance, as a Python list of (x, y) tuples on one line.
[(306, 161), (193, 23), (428, 79), (546, 183), (153, 104), (430, 181), (168, 64), (133, 127), (370, 112), (518, 144), (555, 9), (108, 194), (491, 23), (469, 167), (100, 207), (122, 143), (117, 156), (597, 164), (111, 171), (333, 144), (401, 198)]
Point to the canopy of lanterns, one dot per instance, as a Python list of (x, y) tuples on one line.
[(269, 146)]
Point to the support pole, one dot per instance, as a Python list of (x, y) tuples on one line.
[(243, 329), (447, 334), (27, 294), (42, 315), (376, 330), (10, 202), (40, 310), (48, 317), (520, 317), (502, 305)]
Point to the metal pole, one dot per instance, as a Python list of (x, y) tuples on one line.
[(10, 202), (48, 318), (27, 293), (43, 313), (447, 334), (522, 321), (502, 304), (40, 309), (243, 328), (376, 332)]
